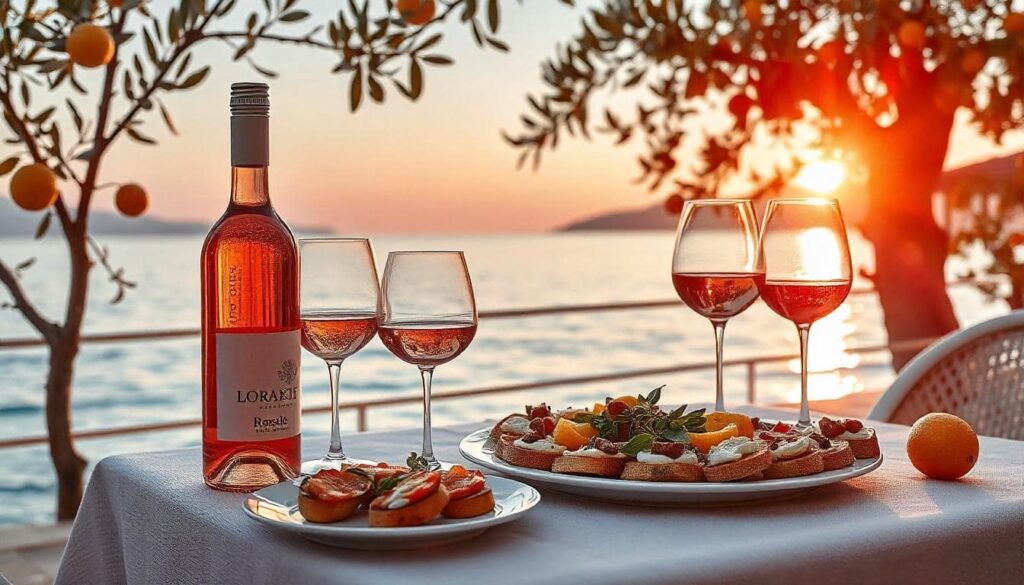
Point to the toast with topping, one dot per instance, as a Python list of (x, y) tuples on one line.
[(520, 452), (744, 467), (664, 461), (808, 463), (837, 456), (415, 500), (599, 457), (863, 440)]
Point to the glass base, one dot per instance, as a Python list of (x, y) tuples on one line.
[(315, 465)]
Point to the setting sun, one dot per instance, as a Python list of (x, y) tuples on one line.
[(821, 177)]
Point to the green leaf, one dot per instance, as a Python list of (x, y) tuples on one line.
[(493, 15), (8, 165), (195, 79), (438, 59), (676, 436), (655, 395), (355, 95), (44, 225), (294, 16), (376, 90), (167, 118), (139, 137), (150, 47), (415, 78), (638, 443)]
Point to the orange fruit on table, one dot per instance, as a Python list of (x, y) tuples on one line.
[(630, 401), (599, 407), (573, 435), (942, 446), (911, 34), (34, 187), (717, 421), (705, 441), (1014, 22), (416, 12), (90, 45), (131, 200)]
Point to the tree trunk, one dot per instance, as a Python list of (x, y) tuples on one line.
[(905, 164), (67, 463)]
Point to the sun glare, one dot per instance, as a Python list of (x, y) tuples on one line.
[(821, 177)]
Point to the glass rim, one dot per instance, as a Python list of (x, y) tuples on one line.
[(425, 252), (331, 240), (718, 201), (812, 201)]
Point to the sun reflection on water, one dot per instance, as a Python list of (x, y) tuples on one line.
[(827, 351)]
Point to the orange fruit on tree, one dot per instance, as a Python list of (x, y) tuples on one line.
[(942, 446), (416, 12), (717, 421), (572, 435), (131, 200), (911, 35), (972, 61), (1014, 22), (90, 45), (705, 441), (34, 187)]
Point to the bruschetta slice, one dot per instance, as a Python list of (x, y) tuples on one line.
[(600, 457), (530, 450), (468, 494), (837, 455), (794, 457), (332, 496), (415, 500), (736, 458), (664, 461), (863, 441)]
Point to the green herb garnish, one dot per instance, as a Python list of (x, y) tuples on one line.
[(647, 417), (641, 442)]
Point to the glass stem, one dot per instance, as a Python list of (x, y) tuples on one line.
[(428, 447), (804, 331), (719, 325), (335, 452)]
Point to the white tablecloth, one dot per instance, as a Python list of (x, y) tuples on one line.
[(148, 518)]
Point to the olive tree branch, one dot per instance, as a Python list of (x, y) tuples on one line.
[(48, 329), (33, 148)]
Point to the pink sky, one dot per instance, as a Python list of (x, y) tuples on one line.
[(438, 165)]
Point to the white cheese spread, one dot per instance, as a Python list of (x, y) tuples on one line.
[(517, 425), (864, 433), (590, 452), (657, 459), (539, 445), (732, 449), (791, 449)]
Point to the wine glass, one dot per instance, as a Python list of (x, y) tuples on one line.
[(339, 303), (429, 316), (717, 265), (807, 268)]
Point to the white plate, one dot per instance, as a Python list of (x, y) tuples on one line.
[(276, 505), (479, 449)]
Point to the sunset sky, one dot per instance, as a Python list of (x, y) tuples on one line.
[(437, 165)]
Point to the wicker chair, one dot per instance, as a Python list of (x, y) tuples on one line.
[(975, 373)]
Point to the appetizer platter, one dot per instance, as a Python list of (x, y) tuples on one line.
[(629, 449), (391, 507)]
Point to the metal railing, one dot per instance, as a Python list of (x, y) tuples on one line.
[(362, 407)]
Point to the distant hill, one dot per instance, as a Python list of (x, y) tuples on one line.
[(17, 223), (655, 218)]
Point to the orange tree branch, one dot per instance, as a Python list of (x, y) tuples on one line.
[(33, 148), (48, 329)]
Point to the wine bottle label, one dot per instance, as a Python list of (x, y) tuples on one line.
[(258, 386)]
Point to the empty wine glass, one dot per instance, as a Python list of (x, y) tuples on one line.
[(428, 317), (339, 305), (807, 268), (717, 265)]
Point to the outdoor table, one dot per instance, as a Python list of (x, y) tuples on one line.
[(148, 518)]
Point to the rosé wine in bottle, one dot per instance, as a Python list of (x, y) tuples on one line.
[(250, 319)]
